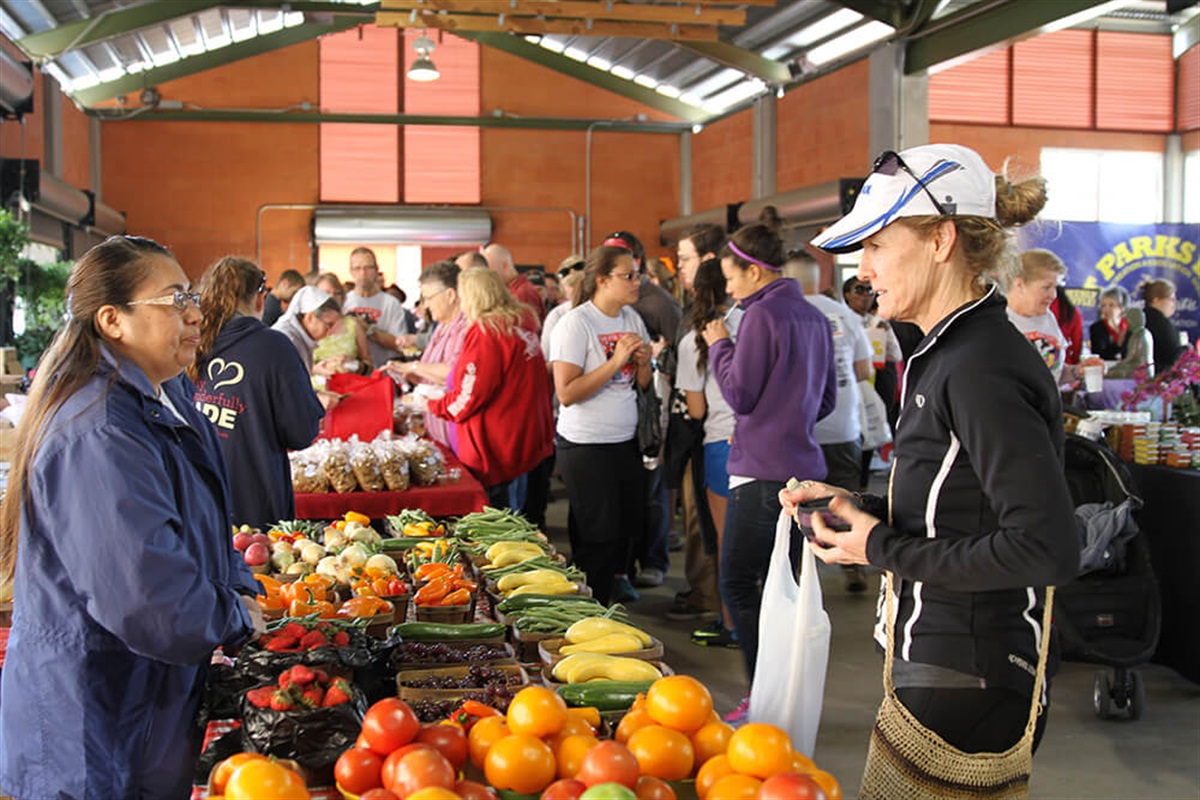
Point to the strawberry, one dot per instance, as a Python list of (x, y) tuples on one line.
[(341, 639), (302, 675), (282, 644), (261, 697), (285, 679), (322, 676), (294, 629), (338, 693), (282, 701), (313, 640), (312, 696)]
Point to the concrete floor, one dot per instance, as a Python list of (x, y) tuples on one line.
[(1081, 756)]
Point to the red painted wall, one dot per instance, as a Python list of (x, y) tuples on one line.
[(822, 129)]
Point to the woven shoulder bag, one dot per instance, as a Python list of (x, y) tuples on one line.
[(907, 761)]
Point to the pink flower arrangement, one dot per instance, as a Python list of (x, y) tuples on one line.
[(1173, 385)]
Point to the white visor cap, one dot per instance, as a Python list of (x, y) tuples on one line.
[(960, 180)]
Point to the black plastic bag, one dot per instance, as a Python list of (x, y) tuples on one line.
[(649, 425), (222, 693), (258, 666), (314, 738), (219, 750)]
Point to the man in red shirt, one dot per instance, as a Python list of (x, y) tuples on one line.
[(500, 261)]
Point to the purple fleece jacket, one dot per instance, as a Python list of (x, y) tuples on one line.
[(779, 379)]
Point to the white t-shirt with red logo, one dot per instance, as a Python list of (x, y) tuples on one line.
[(1046, 337), (586, 337)]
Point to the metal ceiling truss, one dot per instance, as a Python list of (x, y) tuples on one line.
[(214, 58), (518, 46), (991, 24)]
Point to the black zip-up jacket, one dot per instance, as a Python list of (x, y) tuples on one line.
[(982, 519)]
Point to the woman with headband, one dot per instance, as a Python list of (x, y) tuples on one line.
[(779, 380)]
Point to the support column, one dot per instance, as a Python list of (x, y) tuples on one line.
[(1173, 179), (52, 138), (899, 102), (762, 180), (96, 170), (685, 173)]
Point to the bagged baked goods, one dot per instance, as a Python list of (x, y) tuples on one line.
[(336, 466), (366, 467), (307, 475), (425, 463), (393, 464)]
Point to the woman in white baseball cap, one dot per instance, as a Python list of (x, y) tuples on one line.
[(979, 519)]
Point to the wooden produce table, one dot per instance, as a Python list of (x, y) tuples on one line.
[(453, 499)]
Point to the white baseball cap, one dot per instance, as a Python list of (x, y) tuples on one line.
[(945, 179)]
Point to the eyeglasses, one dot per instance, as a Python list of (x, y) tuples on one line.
[(178, 298), (887, 164), (626, 276), (262, 286), (425, 298), (862, 288)]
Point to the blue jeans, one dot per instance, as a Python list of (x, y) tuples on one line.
[(745, 555), (653, 551)]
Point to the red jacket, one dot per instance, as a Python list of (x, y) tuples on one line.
[(501, 404)]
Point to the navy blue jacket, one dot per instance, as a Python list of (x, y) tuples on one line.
[(126, 581), (255, 390)]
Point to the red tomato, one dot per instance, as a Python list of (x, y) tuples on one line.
[(565, 789), (388, 725), (421, 768), (470, 790), (378, 794), (650, 788), (609, 762), (358, 770), (391, 763), (449, 740), (790, 786)]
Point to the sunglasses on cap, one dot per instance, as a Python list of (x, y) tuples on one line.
[(889, 161)]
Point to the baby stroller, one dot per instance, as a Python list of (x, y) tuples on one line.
[(1111, 613)]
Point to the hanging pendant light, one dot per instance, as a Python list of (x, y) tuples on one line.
[(422, 68)]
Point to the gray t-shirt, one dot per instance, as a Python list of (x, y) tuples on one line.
[(586, 337), (1046, 337), (849, 345), (720, 420), (384, 312)]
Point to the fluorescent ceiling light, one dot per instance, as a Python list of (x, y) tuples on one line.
[(293, 18), (826, 26), (645, 80), (111, 74), (553, 45), (623, 72), (856, 39), (165, 57), (269, 21), (735, 94), (668, 90), (575, 53), (600, 63)]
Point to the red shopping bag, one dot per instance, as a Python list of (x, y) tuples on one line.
[(365, 410)]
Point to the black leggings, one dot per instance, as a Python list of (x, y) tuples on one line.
[(974, 720), (607, 491)]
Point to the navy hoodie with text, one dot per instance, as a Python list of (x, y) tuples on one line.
[(256, 391)]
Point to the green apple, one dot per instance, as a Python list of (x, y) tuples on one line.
[(608, 791)]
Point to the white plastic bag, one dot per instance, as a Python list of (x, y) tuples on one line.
[(872, 413), (793, 645)]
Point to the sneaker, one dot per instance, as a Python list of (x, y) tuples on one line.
[(715, 635), (675, 542), (623, 591), (648, 578), (682, 609), (739, 713), (856, 579)]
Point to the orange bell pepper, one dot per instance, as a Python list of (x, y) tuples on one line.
[(354, 516), (430, 570), (432, 592), (459, 597), (322, 608), (270, 585), (364, 607)]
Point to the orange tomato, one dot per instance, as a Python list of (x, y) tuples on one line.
[(264, 778), (569, 753), (662, 752), (802, 763), (649, 788), (483, 734), (222, 771), (521, 763), (710, 772), (433, 793), (711, 740), (680, 702), (735, 786), (589, 714), (634, 719), (760, 750), (537, 711), (833, 789), (573, 726)]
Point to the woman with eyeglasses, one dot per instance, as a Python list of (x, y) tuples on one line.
[(252, 386), (310, 317), (116, 535), (597, 352), (978, 520), (779, 378)]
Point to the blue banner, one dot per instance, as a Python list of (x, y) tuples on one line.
[(1103, 254)]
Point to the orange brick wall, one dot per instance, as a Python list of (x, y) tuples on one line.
[(198, 186), (822, 130), (635, 176), (722, 162)]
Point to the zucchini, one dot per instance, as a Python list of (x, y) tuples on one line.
[(523, 601), (604, 695), (405, 542), (443, 632)]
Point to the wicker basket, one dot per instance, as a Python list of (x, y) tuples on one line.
[(548, 651), (526, 645), (446, 614), (412, 694)]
